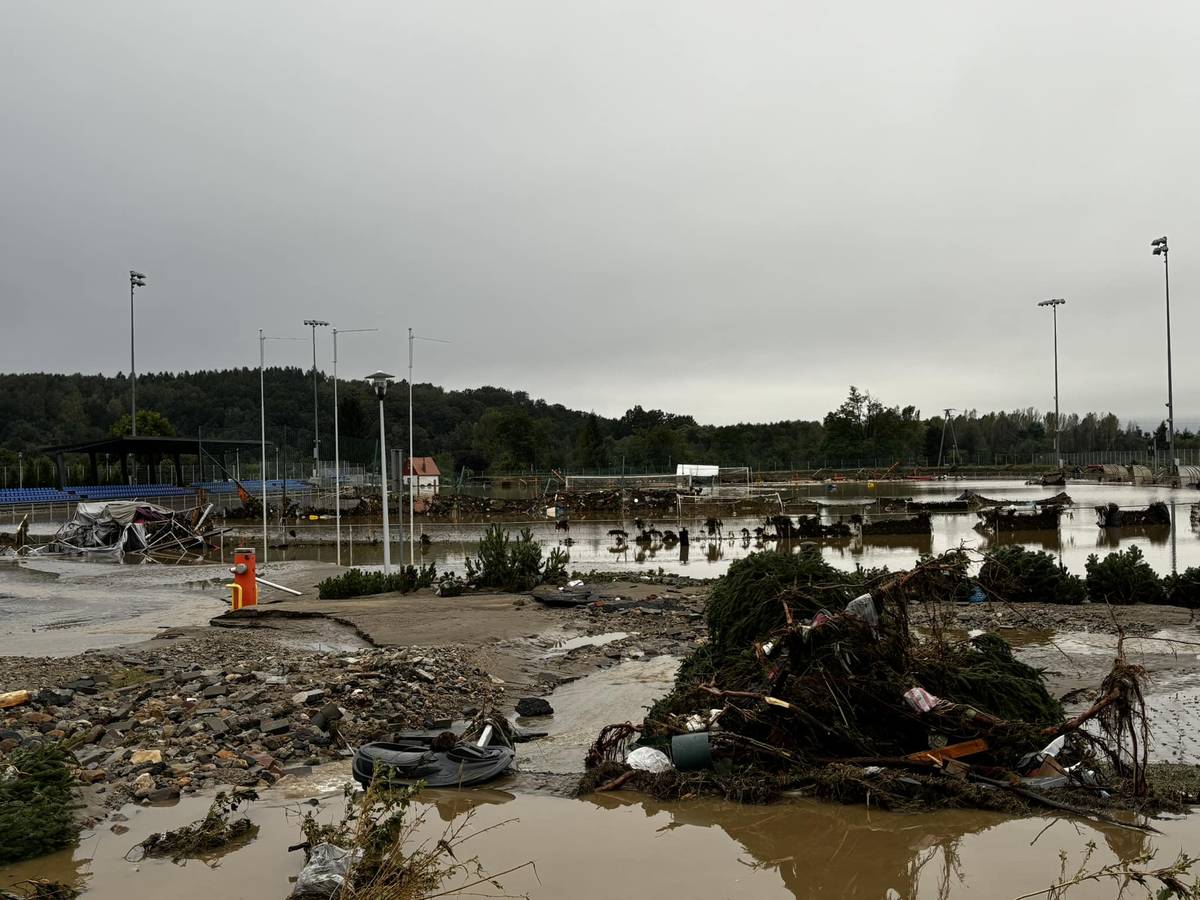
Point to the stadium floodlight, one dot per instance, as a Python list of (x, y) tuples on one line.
[(380, 381)]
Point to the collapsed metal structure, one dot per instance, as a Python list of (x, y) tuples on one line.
[(130, 526)]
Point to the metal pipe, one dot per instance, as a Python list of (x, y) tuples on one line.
[(278, 587)]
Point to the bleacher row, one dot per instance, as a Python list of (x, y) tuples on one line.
[(74, 493)]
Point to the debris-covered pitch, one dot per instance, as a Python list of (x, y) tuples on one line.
[(847, 685)]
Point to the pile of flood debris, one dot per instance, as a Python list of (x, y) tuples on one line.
[(786, 528), (118, 527), (979, 501), (1113, 516), (1009, 519), (233, 710), (814, 679), (916, 524)]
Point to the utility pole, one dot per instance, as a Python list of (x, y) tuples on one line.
[(412, 474), (314, 324), (337, 449), (954, 437), (136, 280), (1054, 305), (1160, 249)]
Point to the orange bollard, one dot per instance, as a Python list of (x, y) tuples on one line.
[(244, 576)]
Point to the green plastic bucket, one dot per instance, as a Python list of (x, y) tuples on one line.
[(691, 752)]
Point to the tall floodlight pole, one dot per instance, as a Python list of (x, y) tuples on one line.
[(136, 280), (314, 324), (379, 381), (1160, 249), (262, 417), (1054, 305), (337, 454), (412, 475)]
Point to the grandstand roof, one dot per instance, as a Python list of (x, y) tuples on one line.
[(140, 444)]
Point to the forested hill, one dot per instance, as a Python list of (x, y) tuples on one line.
[(490, 429)]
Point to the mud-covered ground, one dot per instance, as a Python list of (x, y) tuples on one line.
[(252, 697), (163, 713)]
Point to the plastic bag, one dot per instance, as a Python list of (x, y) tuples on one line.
[(863, 607), (647, 759), (326, 869), (920, 700)]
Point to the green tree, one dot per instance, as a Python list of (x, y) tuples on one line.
[(150, 423), (590, 449)]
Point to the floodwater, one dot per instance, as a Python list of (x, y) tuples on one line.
[(1167, 548), (627, 845), (60, 607)]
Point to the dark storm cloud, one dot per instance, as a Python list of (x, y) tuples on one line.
[(732, 210)]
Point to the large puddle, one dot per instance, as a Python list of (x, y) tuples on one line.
[(628, 846), (1167, 548)]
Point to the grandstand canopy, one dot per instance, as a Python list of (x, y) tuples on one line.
[(156, 447)]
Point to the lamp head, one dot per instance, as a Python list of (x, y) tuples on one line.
[(379, 381), (315, 322)]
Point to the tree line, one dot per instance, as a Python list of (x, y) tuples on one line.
[(495, 430)]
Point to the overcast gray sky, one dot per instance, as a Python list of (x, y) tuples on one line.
[(727, 209)]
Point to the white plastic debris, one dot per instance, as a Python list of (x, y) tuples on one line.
[(575, 583), (325, 871), (696, 722), (1054, 747), (920, 699), (863, 607), (647, 759), (976, 632)]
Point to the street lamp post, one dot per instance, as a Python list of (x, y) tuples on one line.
[(1160, 249), (1054, 305), (136, 280), (412, 475), (262, 415), (337, 452), (314, 324), (379, 381)]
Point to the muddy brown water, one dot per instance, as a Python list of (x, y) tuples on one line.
[(624, 845), (1167, 548), (627, 845)]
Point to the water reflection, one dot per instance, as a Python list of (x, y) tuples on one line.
[(827, 850), (615, 544)]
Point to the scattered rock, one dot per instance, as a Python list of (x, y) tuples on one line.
[(143, 786), (145, 757), (534, 706)]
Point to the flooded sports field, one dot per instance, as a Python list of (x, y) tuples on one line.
[(592, 546)]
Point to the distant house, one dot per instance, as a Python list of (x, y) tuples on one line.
[(424, 471)]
